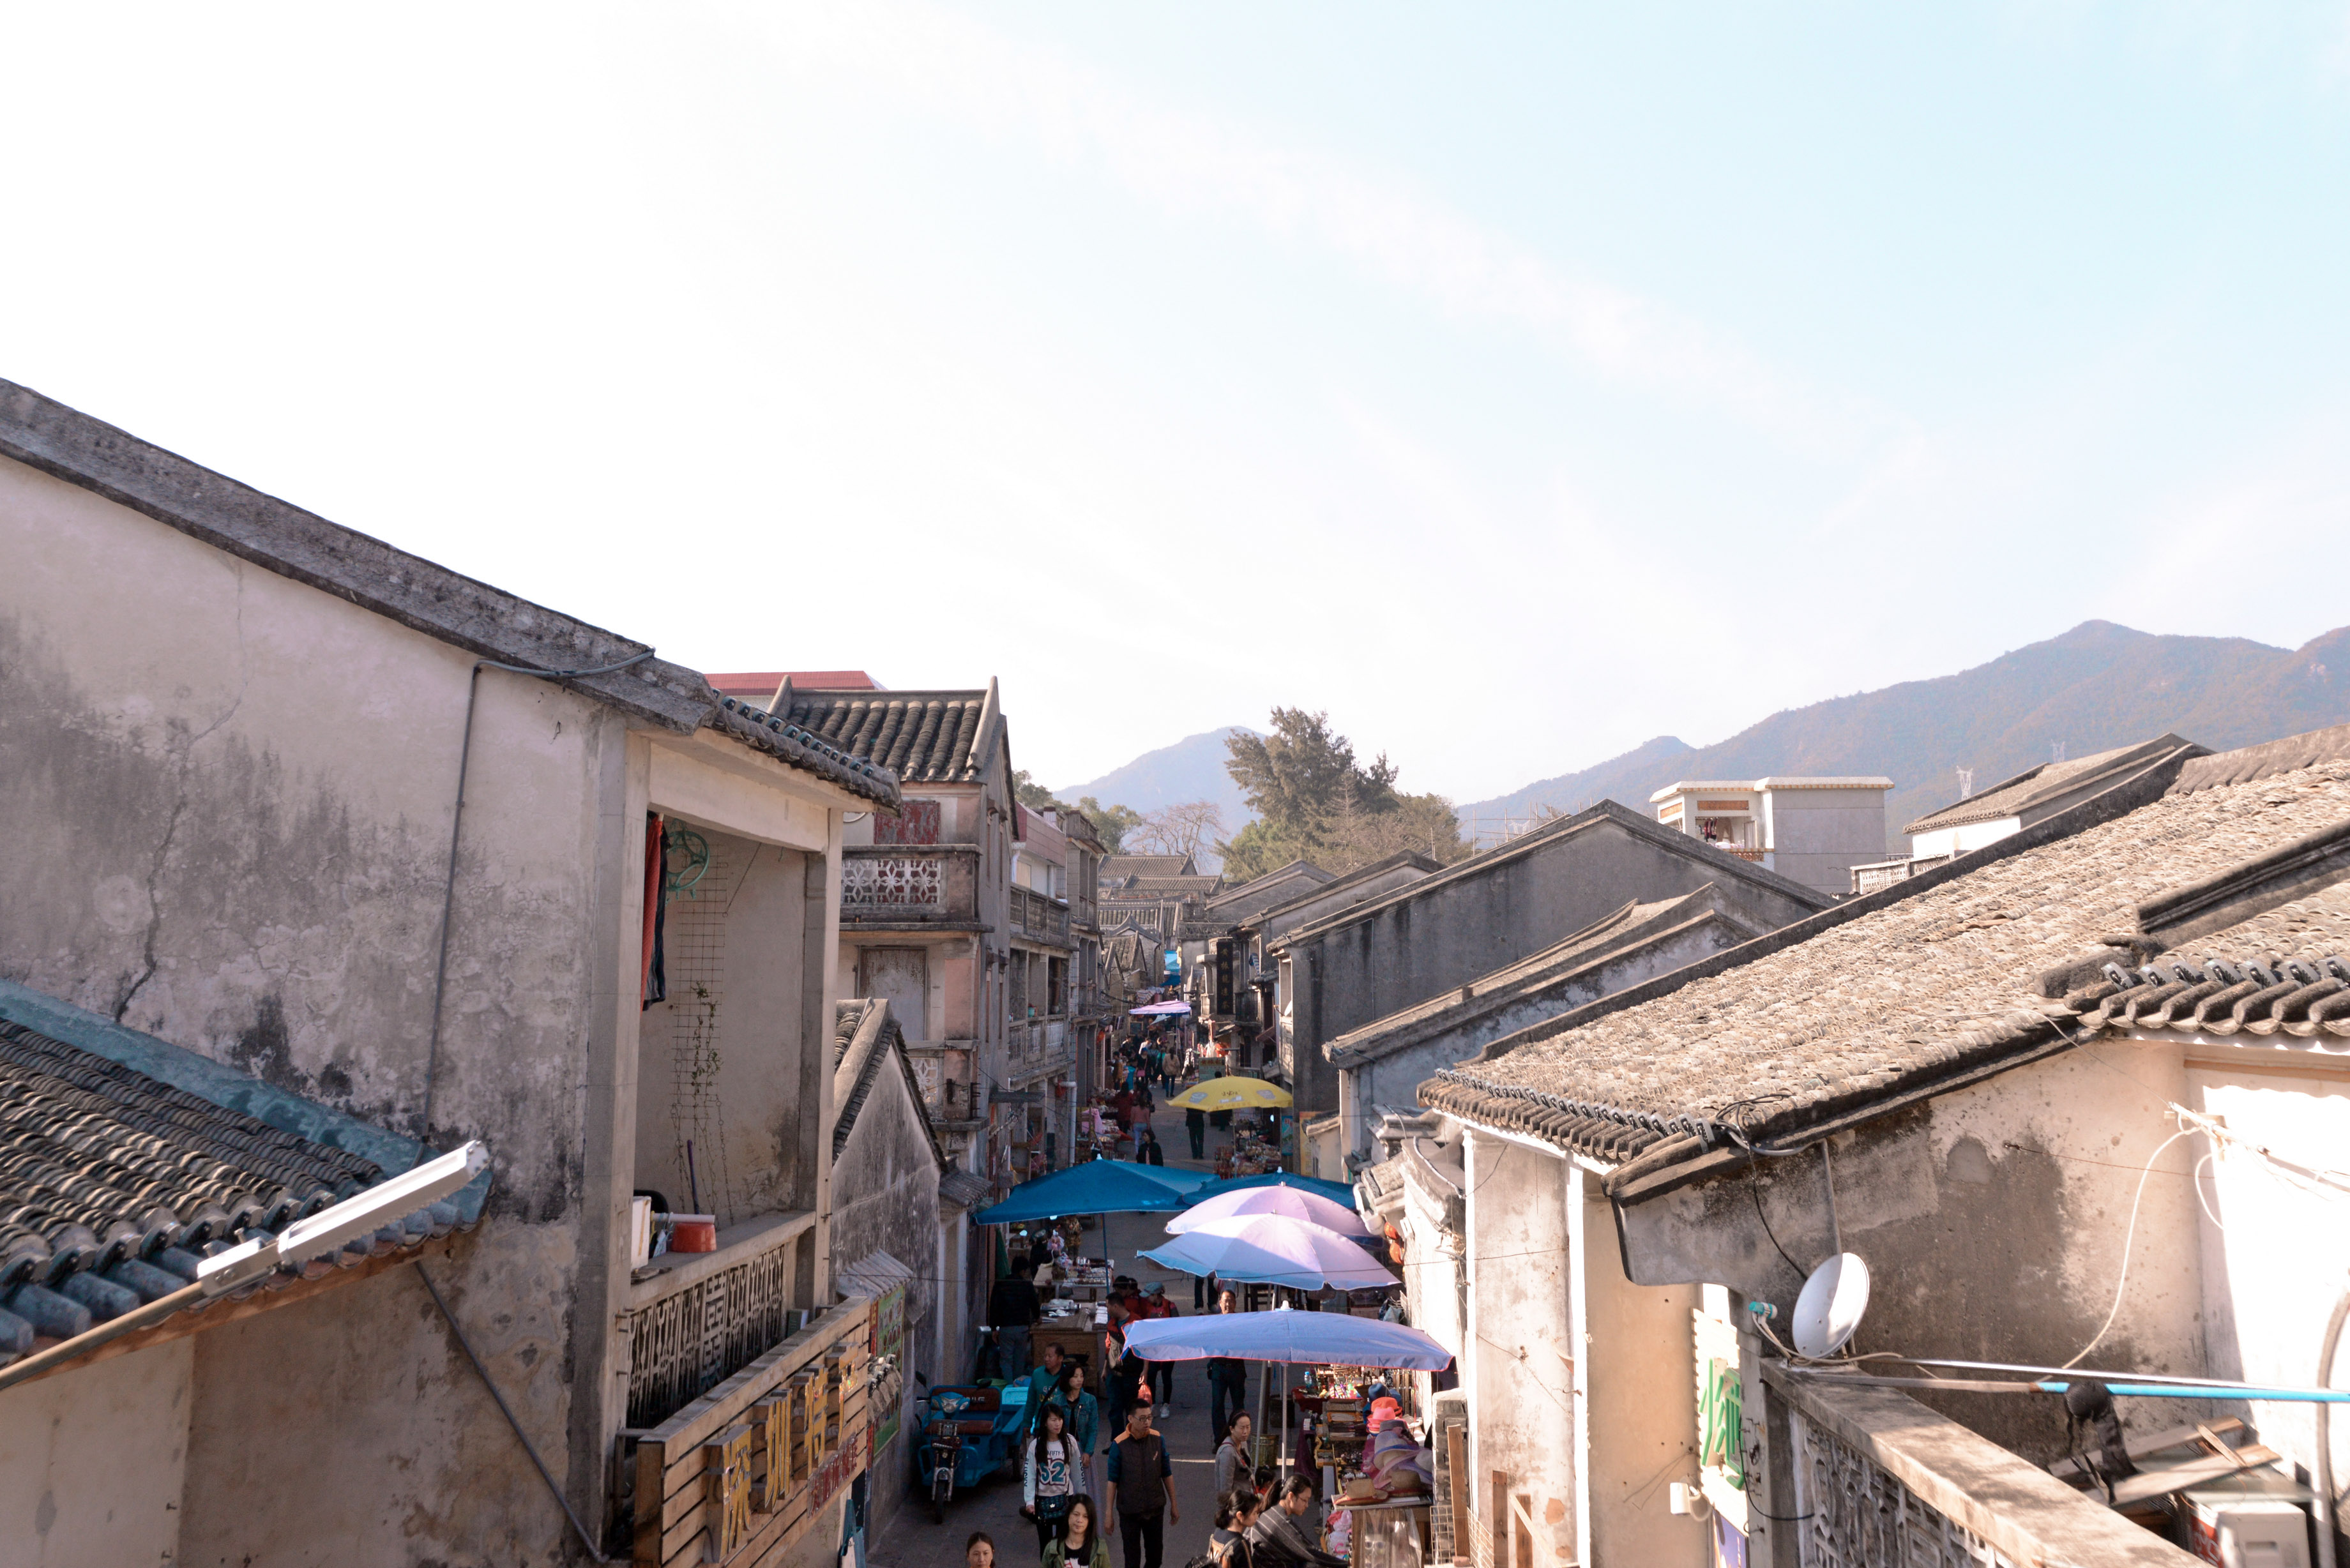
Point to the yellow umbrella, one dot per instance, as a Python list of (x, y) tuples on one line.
[(1232, 1094)]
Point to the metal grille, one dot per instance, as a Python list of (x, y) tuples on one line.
[(682, 1344), (1861, 1517)]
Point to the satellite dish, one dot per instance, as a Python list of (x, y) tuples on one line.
[(1829, 1310)]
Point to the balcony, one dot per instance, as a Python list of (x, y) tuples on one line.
[(909, 887), (1038, 918)]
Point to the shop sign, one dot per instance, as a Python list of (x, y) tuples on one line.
[(1720, 1420)]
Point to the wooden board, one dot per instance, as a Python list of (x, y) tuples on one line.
[(676, 1501)]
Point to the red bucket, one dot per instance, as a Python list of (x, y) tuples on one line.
[(693, 1233)]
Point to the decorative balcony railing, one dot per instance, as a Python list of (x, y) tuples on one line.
[(897, 884), (1034, 915)]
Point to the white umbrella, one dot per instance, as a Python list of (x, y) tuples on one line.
[(1286, 1202), (1270, 1248)]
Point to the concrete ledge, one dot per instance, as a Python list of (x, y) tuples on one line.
[(673, 1271), (2027, 1513)]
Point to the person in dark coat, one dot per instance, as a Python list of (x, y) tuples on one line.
[(1013, 1310), (1195, 1122), (1150, 1153)]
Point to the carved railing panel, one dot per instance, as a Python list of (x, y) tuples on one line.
[(1860, 1516), (682, 1344), (900, 884)]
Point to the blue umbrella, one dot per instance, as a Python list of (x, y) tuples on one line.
[(1335, 1191), (1324, 1338), (1096, 1187)]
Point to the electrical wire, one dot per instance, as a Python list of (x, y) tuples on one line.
[(1754, 1188), (2130, 1239)]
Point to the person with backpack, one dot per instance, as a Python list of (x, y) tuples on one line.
[(1048, 1477), (1142, 1491)]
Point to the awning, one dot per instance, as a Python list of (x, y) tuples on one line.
[(1096, 1187), (1266, 1249), (1160, 1009), (1320, 1338), (1335, 1191)]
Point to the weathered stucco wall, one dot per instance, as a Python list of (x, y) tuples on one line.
[(92, 1463), (886, 1188), (1643, 1432), (1992, 1220), (1459, 926), (1392, 1080), (229, 826), (719, 1059), (1522, 1350)]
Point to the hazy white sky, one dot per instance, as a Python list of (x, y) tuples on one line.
[(1515, 384)]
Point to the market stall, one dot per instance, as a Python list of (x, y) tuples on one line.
[(1358, 1425)]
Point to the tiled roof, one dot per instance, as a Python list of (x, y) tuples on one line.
[(802, 748), (422, 595), (1929, 980), (1426, 865), (922, 737), (114, 1184), (2285, 973), (964, 1191), (2050, 787), (865, 1041), (1634, 927), (1147, 866), (1541, 840), (761, 685)]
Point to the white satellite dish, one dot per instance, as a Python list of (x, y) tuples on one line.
[(1830, 1308)]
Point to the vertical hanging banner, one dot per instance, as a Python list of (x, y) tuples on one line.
[(1721, 1418)]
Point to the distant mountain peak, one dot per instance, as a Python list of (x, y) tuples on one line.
[(2091, 688)]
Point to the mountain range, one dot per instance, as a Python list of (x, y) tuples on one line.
[(2095, 687), (1190, 769)]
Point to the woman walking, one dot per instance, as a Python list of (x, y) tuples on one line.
[(1235, 1457), (1049, 1479), (1080, 1545), (1081, 1415)]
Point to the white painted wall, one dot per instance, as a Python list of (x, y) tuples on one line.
[(93, 1462)]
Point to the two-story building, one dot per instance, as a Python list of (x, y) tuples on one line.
[(322, 857), (1811, 830)]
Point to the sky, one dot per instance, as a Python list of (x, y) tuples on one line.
[(1513, 383)]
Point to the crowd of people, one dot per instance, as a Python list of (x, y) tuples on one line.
[(1260, 1521), (1091, 1438)]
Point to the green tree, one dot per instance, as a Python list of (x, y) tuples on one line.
[(1111, 823), (1300, 777), (1314, 801), (1032, 795)]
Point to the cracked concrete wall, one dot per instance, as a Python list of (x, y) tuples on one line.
[(1992, 1220), (228, 824)]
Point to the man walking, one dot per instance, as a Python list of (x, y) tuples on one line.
[(1227, 1379), (1142, 1491), (1013, 1308), (1195, 1122)]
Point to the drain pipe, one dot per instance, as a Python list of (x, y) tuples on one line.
[(2321, 1469), (456, 822)]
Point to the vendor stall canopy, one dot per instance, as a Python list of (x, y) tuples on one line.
[(1322, 1338), (1286, 1202), (1096, 1187), (1232, 1094), (1266, 1249)]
